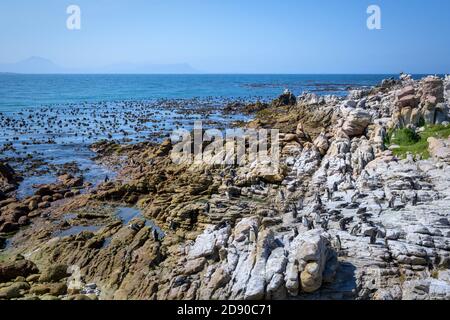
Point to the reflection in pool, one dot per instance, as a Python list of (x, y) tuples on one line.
[(76, 230), (127, 214)]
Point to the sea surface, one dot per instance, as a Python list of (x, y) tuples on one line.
[(47, 122), (18, 90)]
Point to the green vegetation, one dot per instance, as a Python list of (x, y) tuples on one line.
[(4, 257), (410, 142)]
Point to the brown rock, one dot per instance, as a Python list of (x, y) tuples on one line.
[(33, 205), (57, 196), (44, 191), (195, 266), (14, 291), (68, 194), (44, 205), (23, 221), (54, 289), (47, 198), (54, 273), (12, 270)]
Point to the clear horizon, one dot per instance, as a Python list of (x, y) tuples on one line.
[(232, 37)]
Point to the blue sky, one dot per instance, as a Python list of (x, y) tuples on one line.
[(233, 36)]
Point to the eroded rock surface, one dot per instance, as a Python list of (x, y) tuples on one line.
[(340, 218)]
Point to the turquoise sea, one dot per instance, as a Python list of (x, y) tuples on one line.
[(17, 90)]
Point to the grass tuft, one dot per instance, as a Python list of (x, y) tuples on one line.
[(408, 141)]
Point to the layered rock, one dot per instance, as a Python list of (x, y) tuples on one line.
[(341, 217)]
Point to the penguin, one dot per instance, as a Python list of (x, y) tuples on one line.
[(381, 232), (318, 199), (252, 236), (329, 194), (300, 204), (324, 224), (361, 210), (282, 197), (155, 235), (294, 211), (355, 230), (392, 202), (344, 222), (335, 187), (404, 199), (317, 218), (377, 202), (308, 223), (338, 243), (415, 199), (134, 226), (305, 222), (373, 238), (355, 196)]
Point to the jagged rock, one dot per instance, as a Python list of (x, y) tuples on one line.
[(406, 97), (442, 113), (356, 122), (70, 181), (439, 148), (245, 233), (430, 289), (286, 99), (321, 143), (432, 89)]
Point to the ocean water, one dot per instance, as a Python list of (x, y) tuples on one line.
[(47, 122), (18, 91)]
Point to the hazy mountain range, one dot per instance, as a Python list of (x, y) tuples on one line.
[(38, 65)]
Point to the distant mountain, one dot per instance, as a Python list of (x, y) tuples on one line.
[(31, 65), (35, 65)]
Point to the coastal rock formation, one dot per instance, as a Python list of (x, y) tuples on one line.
[(421, 102), (343, 216)]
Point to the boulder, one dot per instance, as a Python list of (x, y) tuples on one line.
[(54, 289), (286, 99), (406, 97), (70, 181), (439, 148), (54, 273), (322, 144), (356, 122), (432, 89), (442, 113), (12, 270), (13, 291)]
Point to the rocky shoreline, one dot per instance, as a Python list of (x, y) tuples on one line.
[(348, 216)]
